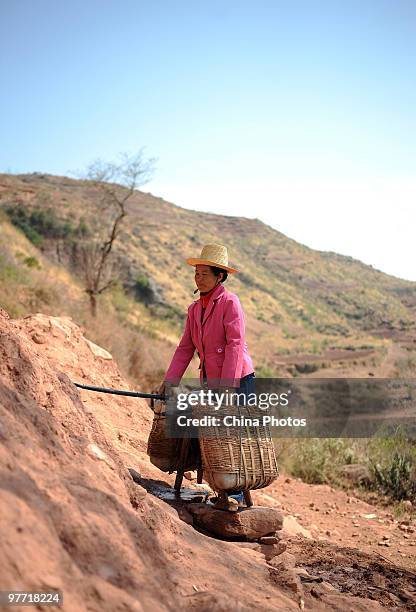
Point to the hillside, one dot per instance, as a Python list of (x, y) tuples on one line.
[(73, 519), (301, 305), (71, 516)]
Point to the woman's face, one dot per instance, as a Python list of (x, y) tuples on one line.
[(205, 279)]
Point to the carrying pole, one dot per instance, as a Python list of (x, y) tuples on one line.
[(120, 392)]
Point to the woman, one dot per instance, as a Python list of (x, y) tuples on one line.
[(215, 327)]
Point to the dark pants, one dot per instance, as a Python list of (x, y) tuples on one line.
[(247, 386)]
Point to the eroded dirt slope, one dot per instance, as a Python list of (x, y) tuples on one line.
[(70, 515), (72, 518)]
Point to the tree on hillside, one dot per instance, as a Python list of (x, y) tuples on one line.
[(115, 184)]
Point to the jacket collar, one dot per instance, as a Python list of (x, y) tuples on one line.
[(217, 293), (219, 289)]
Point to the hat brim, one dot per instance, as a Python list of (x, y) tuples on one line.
[(206, 262)]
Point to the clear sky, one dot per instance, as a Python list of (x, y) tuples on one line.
[(302, 114)]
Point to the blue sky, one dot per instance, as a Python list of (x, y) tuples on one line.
[(299, 113)]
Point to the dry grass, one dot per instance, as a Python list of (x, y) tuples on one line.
[(48, 288), (390, 462), (295, 299)]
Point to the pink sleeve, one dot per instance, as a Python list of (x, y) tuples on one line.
[(234, 349), (182, 356)]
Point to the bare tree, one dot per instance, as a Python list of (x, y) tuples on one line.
[(115, 183)]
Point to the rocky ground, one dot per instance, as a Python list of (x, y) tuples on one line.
[(73, 518), (331, 515)]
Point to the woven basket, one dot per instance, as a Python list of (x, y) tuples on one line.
[(238, 458), (170, 454)]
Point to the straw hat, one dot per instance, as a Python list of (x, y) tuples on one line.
[(212, 255)]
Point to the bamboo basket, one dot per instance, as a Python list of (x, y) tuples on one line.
[(170, 454), (238, 458)]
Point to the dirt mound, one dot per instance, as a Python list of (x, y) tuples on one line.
[(71, 516)]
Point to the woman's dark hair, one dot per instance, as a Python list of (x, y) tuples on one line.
[(217, 271)]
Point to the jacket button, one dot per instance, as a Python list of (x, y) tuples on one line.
[(219, 350)]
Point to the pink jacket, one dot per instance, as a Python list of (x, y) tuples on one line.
[(219, 340)]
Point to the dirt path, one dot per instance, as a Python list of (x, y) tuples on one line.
[(379, 363), (388, 363), (332, 515), (354, 546)]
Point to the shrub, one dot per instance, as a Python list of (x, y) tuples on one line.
[(307, 368), (120, 300), (10, 272), (314, 459), (264, 371), (396, 478), (315, 346), (142, 282), (42, 223), (32, 262), (392, 460)]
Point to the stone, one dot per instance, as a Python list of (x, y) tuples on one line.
[(327, 586), (379, 580), (356, 473), (190, 475), (268, 540), (369, 516), (268, 500), (247, 523), (284, 574), (394, 599), (97, 453), (286, 560), (291, 527), (305, 576), (39, 338), (228, 504), (205, 488), (98, 351), (274, 550)]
